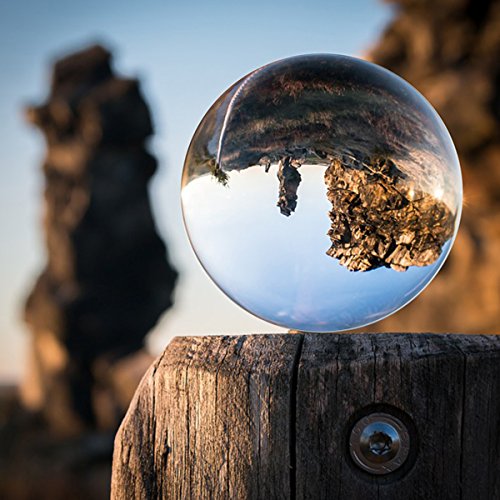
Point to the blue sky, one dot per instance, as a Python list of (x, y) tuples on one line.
[(185, 54)]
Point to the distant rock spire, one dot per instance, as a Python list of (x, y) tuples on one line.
[(107, 279)]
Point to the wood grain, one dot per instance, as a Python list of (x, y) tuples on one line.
[(269, 416)]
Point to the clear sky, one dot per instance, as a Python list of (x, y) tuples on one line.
[(185, 54)]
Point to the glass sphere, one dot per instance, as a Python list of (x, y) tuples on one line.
[(321, 193)]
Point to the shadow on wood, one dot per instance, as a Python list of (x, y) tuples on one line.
[(270, 416)]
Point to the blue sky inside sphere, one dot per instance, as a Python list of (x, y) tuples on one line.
[(185, 55)]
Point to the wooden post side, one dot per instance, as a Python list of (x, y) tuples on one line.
[(214, 422), (270, 416)]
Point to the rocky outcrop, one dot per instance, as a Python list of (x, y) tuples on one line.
[(379, 221), (107, 278)]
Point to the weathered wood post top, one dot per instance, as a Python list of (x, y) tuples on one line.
[(318, 416)]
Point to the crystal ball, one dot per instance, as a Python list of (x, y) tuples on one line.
[(321, 193)]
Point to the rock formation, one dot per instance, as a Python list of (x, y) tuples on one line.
[(378, 221), (289, 178), (450, 51), (106, 282), (107, 278)]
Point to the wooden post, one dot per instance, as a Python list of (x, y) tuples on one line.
[(272, 416)]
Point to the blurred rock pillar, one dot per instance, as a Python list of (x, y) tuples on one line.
[(107, 278)]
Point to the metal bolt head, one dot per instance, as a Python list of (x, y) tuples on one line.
[(379, 443)]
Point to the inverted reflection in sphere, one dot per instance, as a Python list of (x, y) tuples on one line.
[(321, 193)]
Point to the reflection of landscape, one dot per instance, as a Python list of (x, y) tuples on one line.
[(377, 219), (277, 266), (391, 174)]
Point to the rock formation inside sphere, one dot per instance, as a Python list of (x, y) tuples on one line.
[(378, 221)]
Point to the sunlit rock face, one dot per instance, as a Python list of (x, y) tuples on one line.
[(321, 192), (379, 220)]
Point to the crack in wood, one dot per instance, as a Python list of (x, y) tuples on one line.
[(292, 438)]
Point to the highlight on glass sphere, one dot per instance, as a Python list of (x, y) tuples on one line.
[(321, 193)]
